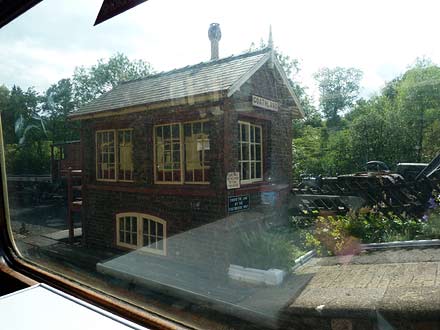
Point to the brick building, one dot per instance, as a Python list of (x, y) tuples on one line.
[(181, 149)]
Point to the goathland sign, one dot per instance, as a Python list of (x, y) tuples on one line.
[(261, 102)]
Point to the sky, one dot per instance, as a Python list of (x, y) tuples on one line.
[(382, 38)]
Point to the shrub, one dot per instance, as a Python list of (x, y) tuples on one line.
[(330, 235), (342, 234), (431, 230), (265, 250)]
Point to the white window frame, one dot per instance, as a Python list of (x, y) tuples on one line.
[(116, 154), (156, 180), (250, 145), (205, 142), (182, 154), (140, 231), (118, 236)]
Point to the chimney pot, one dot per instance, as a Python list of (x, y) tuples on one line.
[(214, 34)]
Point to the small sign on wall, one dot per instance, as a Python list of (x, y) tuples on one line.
[(268, 198), (238, 203), (233, 180), (261, 102)]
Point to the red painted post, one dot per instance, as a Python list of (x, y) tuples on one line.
[(52, 163), (69, 202)]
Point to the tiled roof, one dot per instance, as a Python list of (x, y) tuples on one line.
[(197, 79)]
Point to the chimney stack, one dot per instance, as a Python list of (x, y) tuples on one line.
[(214, 35)]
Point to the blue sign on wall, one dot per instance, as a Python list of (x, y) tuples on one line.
[(268, 198), (238, 203)]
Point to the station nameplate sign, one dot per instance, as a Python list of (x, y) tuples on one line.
[(261, 102), (238, 203), (233, 180)]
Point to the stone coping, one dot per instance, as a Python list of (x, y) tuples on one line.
[(399, 283)]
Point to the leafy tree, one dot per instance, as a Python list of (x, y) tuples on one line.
[(58, 103), (31, 122), (292, 68), (418, 94), (307, 152), (89, 83), (4, 100), (338, 88), (18, 104)]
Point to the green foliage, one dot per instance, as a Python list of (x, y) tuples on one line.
[(16, 104), (330, 235), (307, 152), (339, 88), (31, 121), (31, 158), (265, 250), (58, 103), (375, 227), (341, 234), (431, 230), (399, 124), (89, 83)]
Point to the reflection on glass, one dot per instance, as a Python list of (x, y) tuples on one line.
[(227, 184)]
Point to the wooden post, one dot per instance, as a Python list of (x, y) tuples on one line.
[(69, 203), (52, 163)]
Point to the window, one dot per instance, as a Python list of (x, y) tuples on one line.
[(251, 150), (105, 155), (114, 164), (136, 230), (125, 155), (196, 152), (168, 153), (172, 157), (127, 231)]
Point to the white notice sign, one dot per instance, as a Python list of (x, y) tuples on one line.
[(264, 103), (233, 180)]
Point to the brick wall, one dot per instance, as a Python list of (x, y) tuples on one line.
[(186, 207), (179, 210)]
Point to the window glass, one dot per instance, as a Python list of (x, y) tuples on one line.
[(107, 167), (230, 165), (168, 150), (105, 155), (197, 148), (125, 157), (127, 231), (250, 161), (141, 230)]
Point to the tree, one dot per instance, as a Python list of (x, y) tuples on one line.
[(4, 100), (292, 68), (339, 89), (89, 83), (18, 104), (58, 103), (418, 94)]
